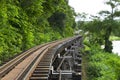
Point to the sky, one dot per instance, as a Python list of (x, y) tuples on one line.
[(92, 7), (88, 6)]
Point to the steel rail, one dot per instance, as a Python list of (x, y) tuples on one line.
[(30, 67), (44, 67), (5, 68)]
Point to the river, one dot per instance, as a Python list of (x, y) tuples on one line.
[(116, 47)]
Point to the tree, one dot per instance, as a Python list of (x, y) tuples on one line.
[(26, 23), (108, 22)]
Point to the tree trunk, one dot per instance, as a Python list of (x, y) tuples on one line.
[(108, 43)]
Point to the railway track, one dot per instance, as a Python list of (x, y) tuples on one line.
[(34, 64)]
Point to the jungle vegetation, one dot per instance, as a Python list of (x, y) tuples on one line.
[(101, 63), (27, 23)]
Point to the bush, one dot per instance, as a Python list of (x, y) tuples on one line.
[(102, 65)]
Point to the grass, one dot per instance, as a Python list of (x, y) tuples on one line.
[(112, 38)]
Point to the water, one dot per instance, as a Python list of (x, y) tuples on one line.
[(116, 47)]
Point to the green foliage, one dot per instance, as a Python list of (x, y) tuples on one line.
[(112, 38), (110, 17), (57, 20), (101, 28), (102, 65), (27, 23)]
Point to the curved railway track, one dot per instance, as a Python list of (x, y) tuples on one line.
[(34, 64)]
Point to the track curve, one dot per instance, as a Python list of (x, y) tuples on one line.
[(36, 60)]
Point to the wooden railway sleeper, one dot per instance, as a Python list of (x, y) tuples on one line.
[(42, 71), (39, 78)]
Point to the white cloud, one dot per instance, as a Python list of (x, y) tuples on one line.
[(88, 6)]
